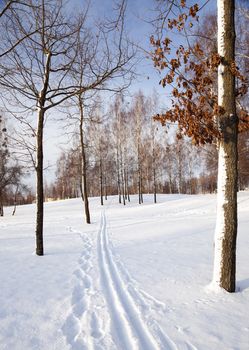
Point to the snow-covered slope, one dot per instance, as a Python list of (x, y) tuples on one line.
[(136, 278)]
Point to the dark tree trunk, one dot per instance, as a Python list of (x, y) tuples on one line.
[(105, 188), (1, 207), (101, 181), (39, 185), (154, 184), (83, 165), (81, 188)]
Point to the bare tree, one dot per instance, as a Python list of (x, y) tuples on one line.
[(35, 76), (102, 59), (36, 73), (139, 111), (8, 10)]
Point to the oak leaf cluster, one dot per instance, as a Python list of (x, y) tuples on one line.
[(191, 74)]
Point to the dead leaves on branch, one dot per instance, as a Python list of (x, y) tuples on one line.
[(243, 120), (196, 124), (191, 73), (184, 18)]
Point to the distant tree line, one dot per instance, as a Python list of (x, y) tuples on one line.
[(53, 62), (127, 153)]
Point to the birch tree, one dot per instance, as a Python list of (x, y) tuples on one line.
[(208, 116), (139, 112), (226, 224), (103, 63)]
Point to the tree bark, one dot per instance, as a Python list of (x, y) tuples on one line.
[(14, 209), (154, 184), (39, 159), (140, 186), (118, 178), (105, 183), (83, 165), (1, 206), (122, 179), (226, 225), (39, 184), (127, 185), (101, 181)]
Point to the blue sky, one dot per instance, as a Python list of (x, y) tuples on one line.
[(138, 11), (139, 31)]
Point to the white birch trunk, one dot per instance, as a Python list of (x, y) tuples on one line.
[(226, 224)]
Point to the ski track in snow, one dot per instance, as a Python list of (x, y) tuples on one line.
[(134, 305), (82, 328), (116, 314)]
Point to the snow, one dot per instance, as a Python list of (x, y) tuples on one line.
[(134, 279), (220, 219), (221, 37)]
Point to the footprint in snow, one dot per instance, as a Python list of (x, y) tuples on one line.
[(95, 326)]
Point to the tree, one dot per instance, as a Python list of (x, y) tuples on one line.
[(243, 165), (8, 10), (101, 58), (38, 79), (120, 127), (226, 225), (36, 76), (206, 117), (10, 171), (139, 112)]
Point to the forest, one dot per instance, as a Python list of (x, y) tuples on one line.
[(63, 66), (126, 149), (124, 174)]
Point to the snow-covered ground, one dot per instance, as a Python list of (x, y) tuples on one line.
[(134, 279)]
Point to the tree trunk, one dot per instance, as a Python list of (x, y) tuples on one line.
[(105, 182), (118, 178), (39, 184), (81, 188), (39, 159), (101, 181), (139, 188), (127, 185), (83, 165), (154, 183), (14, 209), (1, 206), (226, 225), (123, 179)]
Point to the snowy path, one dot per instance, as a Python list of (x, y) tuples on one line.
[(88, 291), (108, 310), (116, 303)]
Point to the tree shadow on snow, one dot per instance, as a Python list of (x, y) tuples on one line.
[(242, 285)]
